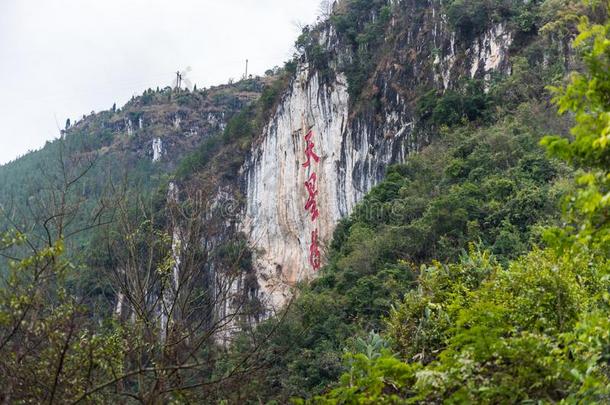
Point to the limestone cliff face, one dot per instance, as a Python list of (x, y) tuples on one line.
[(351, 162), (354, 147)]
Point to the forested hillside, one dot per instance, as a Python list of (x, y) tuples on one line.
[(473, 266), (135, 148)]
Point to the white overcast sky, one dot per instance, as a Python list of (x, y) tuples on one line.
[(63, 58)]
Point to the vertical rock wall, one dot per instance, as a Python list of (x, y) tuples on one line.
[(351, 162), (354, 150)]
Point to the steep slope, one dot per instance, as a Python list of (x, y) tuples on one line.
[(395, 165), (370, 86), (356, 87), (475, 177), (138, 146)]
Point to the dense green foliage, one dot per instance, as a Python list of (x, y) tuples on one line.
[(477, 332), (490, 185), (485, 181), (468, 103), (500, 321), (536, 330), (588, 98), (362, 25), (470, 18), (51, 349), (455, 280)]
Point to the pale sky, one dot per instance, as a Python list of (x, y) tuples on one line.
[(64, 58)]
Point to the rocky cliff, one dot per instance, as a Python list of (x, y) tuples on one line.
[(354, 141), (280, 160)]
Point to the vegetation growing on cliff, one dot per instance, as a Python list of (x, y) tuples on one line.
[(489, 185), (457, 279), (534, 330), (458, 258), (224, 152)]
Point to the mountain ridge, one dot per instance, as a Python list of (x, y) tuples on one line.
[(375, 221)]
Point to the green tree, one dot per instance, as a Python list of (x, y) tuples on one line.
[(537, 329), (587, 96)]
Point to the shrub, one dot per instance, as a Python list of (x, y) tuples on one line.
[(469, 103)]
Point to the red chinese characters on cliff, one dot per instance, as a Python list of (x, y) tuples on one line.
[(309, 153), (314, 251), (311, 206)]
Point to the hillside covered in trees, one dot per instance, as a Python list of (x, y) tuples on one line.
[(476, 270)]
